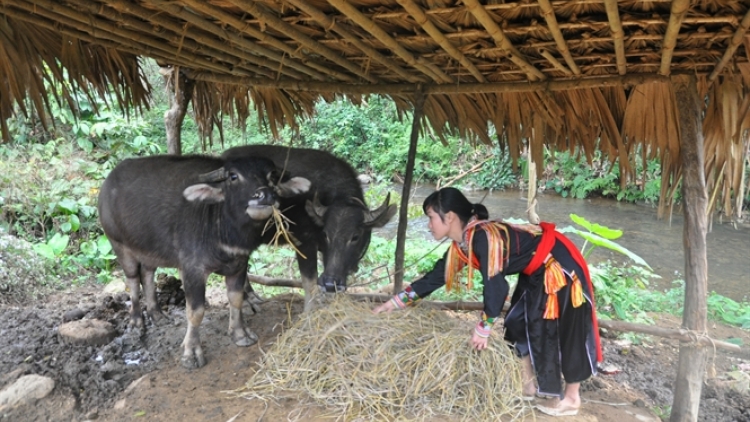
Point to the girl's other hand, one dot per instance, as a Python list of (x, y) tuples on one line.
[(478, 342), (386, 306)]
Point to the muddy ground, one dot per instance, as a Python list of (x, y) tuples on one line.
[(140, 378)]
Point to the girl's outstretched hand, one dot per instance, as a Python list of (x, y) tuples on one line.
[(478, 342), (386, 306)]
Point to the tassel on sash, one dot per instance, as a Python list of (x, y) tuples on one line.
[(554, 280), (576, 291)]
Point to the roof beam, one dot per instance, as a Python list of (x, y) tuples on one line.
[(421, 18), (293, 33), (615, 29), (327, 23), (446, 89), (677, 15), (549, 15), (217, 48), (501, 40), (732, 47), (376, 31)]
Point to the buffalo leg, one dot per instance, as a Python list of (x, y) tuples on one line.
[(195, 298), (149, 294), (240, 333), (132, 270), (308, 268)]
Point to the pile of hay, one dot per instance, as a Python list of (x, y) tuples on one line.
[(412, 364)]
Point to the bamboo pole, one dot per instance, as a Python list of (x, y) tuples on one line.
[(677, 14), (550, 85), (368, 25), (304, 40), (732, 47), (677, 334), (421, 18), (501, 40), (615, 28), (692, 361), (549, 15), (218, 49), (403, 215), (578, 43), (328, 23), (556, 63)]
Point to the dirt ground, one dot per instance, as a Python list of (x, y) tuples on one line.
[(134, 378)]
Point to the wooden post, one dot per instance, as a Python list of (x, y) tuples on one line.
[(692, 362), (398, 280), (181, 88)]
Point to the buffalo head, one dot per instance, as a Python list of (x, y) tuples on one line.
[(347, 229), (249, 187)]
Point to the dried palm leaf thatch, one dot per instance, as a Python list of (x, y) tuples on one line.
[(32, 58), (411, 365)]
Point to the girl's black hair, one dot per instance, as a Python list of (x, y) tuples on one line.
[(451, 199)]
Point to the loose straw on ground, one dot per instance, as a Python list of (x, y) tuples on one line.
[(409, 365)]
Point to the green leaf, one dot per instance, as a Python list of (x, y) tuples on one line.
[(602, 231), (44, 250), (68, 205), (606, 243), (58, 243), (103, 245), (75, 222)]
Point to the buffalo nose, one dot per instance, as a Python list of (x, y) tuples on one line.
[(265, 196), (329, 284)]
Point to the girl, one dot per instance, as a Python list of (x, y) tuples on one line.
[(551, 322)]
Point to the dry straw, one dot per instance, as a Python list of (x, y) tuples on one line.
[(410, 365)]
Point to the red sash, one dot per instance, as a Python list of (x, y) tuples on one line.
[(549, 236)]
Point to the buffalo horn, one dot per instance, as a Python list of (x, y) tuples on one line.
[(320, 209), (213, 176), (372, 215)]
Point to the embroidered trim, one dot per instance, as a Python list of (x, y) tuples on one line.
[(407, 298), (497, 233), (482, 330)]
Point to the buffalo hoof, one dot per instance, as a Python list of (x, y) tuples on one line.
[(253, 301), (193, 361), (136, 321), (244, 337), (158, 318)]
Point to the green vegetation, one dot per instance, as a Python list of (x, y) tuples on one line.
[(49, 180)]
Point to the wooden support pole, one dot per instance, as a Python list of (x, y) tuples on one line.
[(692, 362), (403, 217), (732, 47), (677, 14), (181, 90)]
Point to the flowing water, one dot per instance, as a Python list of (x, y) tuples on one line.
[(658, 241)]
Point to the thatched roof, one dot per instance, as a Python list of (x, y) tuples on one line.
[(561, 73)]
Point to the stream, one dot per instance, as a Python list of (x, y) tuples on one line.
[(658, 241)]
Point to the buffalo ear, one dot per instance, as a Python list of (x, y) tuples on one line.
[(202, 192), (380, 216), (316, 211), (292, 187)]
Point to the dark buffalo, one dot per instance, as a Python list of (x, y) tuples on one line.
[(330, 218), (194, 213)]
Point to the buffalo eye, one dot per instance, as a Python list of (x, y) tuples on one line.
[(355, 238), (233, 176)]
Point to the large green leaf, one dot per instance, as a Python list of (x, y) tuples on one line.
[(597, 240), (602, 231)]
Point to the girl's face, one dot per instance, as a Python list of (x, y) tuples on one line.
[(437, 226)]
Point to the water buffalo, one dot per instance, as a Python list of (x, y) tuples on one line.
[(194, 213), (330, 218)]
